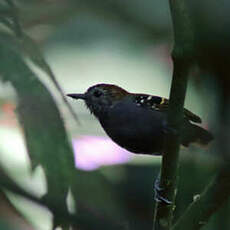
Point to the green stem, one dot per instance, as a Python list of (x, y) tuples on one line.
[(182, 56)]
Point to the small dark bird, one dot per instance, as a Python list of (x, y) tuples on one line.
[(138, 122)]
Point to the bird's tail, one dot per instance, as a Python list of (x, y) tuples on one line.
[(204, 136), (197, 135)]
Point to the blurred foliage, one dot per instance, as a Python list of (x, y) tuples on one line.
[(100, 203), (47, 145)]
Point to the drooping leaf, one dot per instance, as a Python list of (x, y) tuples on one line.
[(48, 144), (30, 49), (44, 130)]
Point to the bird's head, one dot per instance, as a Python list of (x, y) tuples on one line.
[(99, 98)]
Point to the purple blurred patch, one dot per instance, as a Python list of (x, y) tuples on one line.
[(91, 152)]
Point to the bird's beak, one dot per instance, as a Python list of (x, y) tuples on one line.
[(77, 96)]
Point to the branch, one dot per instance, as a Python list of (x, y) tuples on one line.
[(182, 56)]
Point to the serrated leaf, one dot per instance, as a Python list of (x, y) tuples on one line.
[(32, 51), (29, 47), (48, 144), (43, 127)]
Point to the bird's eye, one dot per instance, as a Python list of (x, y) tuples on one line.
[(97, 93)]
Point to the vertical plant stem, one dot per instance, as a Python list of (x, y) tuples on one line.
[(182, 56)]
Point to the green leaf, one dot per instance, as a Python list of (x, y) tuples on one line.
[(33, 52), (30, 49), (43, 127), (48, 145)]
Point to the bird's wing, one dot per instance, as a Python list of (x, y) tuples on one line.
[(161, 104)]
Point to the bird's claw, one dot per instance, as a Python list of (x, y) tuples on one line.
[(158, 190)]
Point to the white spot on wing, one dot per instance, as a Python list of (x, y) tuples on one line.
[(149, 98)]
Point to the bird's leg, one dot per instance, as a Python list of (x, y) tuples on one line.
[(157, 189), (168, 131)]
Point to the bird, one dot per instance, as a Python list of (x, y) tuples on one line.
[(138, 122)]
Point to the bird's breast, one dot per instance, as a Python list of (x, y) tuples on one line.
[(135, 128)]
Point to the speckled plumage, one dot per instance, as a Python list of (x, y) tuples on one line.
[(137, 122)]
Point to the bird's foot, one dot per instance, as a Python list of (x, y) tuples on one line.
[(157, 189)]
